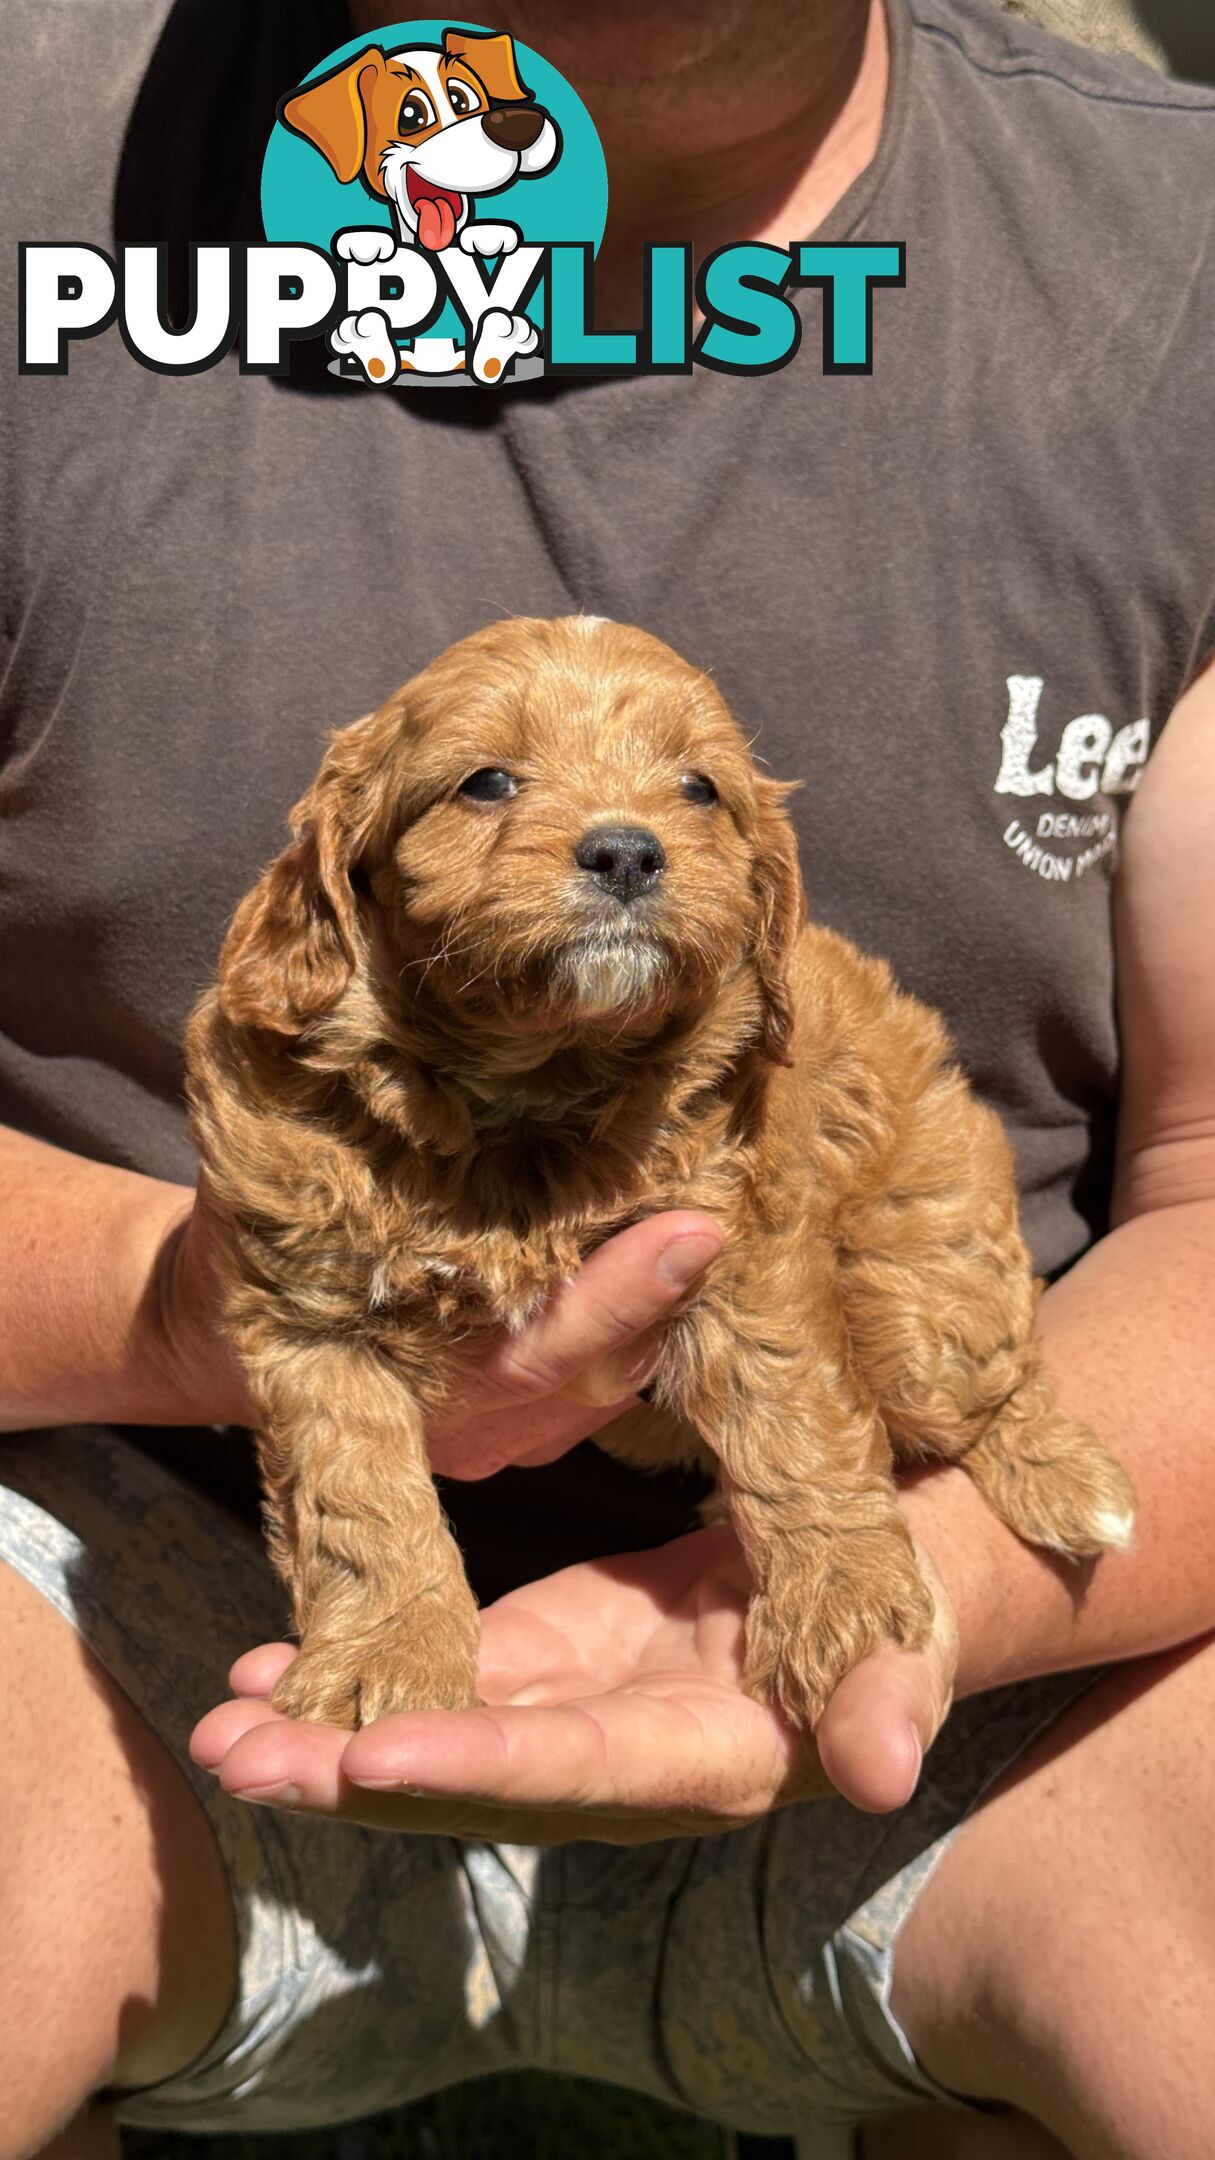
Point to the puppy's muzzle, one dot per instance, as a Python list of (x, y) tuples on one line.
[(514, 130), (624, 860)]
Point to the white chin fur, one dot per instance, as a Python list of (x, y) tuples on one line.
[(609, 976), (392, 172)]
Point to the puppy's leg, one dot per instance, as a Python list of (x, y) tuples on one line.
[(1048, 1477), (940, 1304), (382, 1606), (805, 1470)]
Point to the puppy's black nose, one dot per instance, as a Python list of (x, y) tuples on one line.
[(625, 860), (513, 127)]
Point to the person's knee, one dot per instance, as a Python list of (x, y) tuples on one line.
[(1062, 1958), (116, 1956), (1100, 2041)]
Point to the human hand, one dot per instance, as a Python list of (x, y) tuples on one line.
[(182, 1337), (577, 1364), (613, 1710), (570, 1371)]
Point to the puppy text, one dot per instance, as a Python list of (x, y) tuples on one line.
[(734, 314)]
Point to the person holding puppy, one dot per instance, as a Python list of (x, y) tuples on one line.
[(968, 601)]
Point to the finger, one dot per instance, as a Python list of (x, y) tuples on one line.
[(222, 1727), (886, 1713), (475, 1443), (258, 1671), (612, 1380), (620, 1292), (272, 1761), (627, 1753), (312, 1786), (279, 1760)]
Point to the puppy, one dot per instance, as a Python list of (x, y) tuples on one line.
[(534, 966), (427, 128)]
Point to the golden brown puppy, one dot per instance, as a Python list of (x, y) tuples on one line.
[(533, 967)]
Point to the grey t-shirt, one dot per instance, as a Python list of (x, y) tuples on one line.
[(958, 597)]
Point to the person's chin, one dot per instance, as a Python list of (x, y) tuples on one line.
[(539, 1458), (633, 41)]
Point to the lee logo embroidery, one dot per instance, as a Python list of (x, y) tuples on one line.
[(1093, 759)]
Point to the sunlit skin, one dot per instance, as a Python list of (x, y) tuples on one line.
[(614, 1711)]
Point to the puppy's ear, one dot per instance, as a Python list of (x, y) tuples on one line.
[(780, 913), (294, 940), (490, 55), (332, 113)]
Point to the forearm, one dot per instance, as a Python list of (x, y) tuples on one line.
[(81, 1249), (1130, 1339)]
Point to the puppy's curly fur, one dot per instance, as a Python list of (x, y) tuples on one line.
[(444, 1060)]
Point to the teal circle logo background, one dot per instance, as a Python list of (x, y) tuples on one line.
[(303, 199)]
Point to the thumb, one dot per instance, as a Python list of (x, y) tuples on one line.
[(886, 1713), (625, 1288)]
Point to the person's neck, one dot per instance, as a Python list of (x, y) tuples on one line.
[(755, 137)]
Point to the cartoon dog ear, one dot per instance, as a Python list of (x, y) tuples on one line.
[(491, 56), (294, 942), (332, 113), (780, 913)]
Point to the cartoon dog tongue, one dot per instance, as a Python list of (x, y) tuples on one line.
[(436, 222)]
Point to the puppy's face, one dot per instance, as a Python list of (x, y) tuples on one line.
[(556, 826)]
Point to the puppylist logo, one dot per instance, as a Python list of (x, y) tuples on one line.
[(433, 202)]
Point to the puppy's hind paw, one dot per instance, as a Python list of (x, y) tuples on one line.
[(1056, 1485)]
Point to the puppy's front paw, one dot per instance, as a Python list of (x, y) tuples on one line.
[(810, 1625), (320, 1686), (354, 1682), (407, 1677)]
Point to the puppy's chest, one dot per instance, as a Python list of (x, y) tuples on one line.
[(485, 1280), (458, 1281)]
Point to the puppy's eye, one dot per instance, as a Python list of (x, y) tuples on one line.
[(491, 784), (697, 787), (460, 98), (415, 113)]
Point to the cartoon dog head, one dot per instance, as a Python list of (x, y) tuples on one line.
[(428, 127)]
